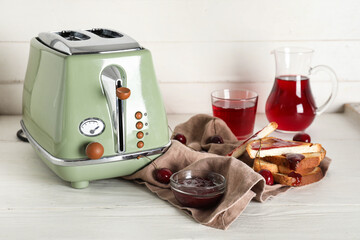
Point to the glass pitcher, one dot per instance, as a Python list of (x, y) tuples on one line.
[(291, 103)]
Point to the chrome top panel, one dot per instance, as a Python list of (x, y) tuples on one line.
[(96, 40)]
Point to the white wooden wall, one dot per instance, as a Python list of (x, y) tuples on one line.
[(198, 45)]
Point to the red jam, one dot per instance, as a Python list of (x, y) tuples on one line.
[(273, 143), (267, 175), (244, 142), (195, 193), (294, 159), (296, 178)]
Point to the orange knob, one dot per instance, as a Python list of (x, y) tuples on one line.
[(138, 115), (123, 93), (140, 144), (139, 125), (94, 150), (140, 135)]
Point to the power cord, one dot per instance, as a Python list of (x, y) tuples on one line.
[(20, 135)]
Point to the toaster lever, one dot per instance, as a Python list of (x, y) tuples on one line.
[(123, 93)]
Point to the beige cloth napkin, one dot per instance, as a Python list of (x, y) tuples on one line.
[(243, 184)]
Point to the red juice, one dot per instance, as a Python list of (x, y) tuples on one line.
[(238, 115), (291, 104)]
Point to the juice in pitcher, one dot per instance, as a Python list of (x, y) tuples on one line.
[(291, 103)]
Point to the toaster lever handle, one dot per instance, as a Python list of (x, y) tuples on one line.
[(123, 93)]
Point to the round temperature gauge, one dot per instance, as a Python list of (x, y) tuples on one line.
[(92, 127)]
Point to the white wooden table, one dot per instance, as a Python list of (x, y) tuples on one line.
[(36, 204)]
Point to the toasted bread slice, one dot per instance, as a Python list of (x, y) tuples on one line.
[(286, 170), (271, 146), (238, 151), (313, 176), (311, 160), (260, 164)]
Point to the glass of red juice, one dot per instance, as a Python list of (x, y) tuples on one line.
[(237, 107)]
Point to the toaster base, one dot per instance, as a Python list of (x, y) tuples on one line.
[(79, 185), (80, 172), (80, 176)]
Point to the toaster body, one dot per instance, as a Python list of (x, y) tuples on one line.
[(69, 101)]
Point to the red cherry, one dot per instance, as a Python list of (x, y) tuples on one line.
[(216, 139), (302, 137), (269, 179), (181, 138), (163, 175)]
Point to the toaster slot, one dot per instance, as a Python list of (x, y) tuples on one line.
[(73, 36), (105, 33), (112, 77), (120, 121)]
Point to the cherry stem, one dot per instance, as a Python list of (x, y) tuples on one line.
[(214, 119), (152, 162), (258, 154), (170, 129)]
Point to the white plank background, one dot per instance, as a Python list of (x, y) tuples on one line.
[(197, 45)]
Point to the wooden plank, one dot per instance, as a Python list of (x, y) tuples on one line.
[(258, 221), (246, 61), (213, 61), (11, 98), (186, 20), (13, 61)]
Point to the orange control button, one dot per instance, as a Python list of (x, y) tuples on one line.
[(139, 125), (138, 115), (140, 144), (140, 135), (94, 150)]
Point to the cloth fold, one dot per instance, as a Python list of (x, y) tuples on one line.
[(198, 130), (243, 183)]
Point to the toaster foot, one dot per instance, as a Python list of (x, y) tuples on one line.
[(80, 184)]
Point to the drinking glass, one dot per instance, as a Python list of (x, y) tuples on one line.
[(237, 107)]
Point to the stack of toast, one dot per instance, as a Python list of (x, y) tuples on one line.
[(291, 163)]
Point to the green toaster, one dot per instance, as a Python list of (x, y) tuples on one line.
[(92, 86)]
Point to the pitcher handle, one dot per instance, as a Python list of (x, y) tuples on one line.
[(334, 88)]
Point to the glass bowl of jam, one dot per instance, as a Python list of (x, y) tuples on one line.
[(198, 188)]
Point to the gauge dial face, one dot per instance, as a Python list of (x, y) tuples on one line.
[(92, 127)]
